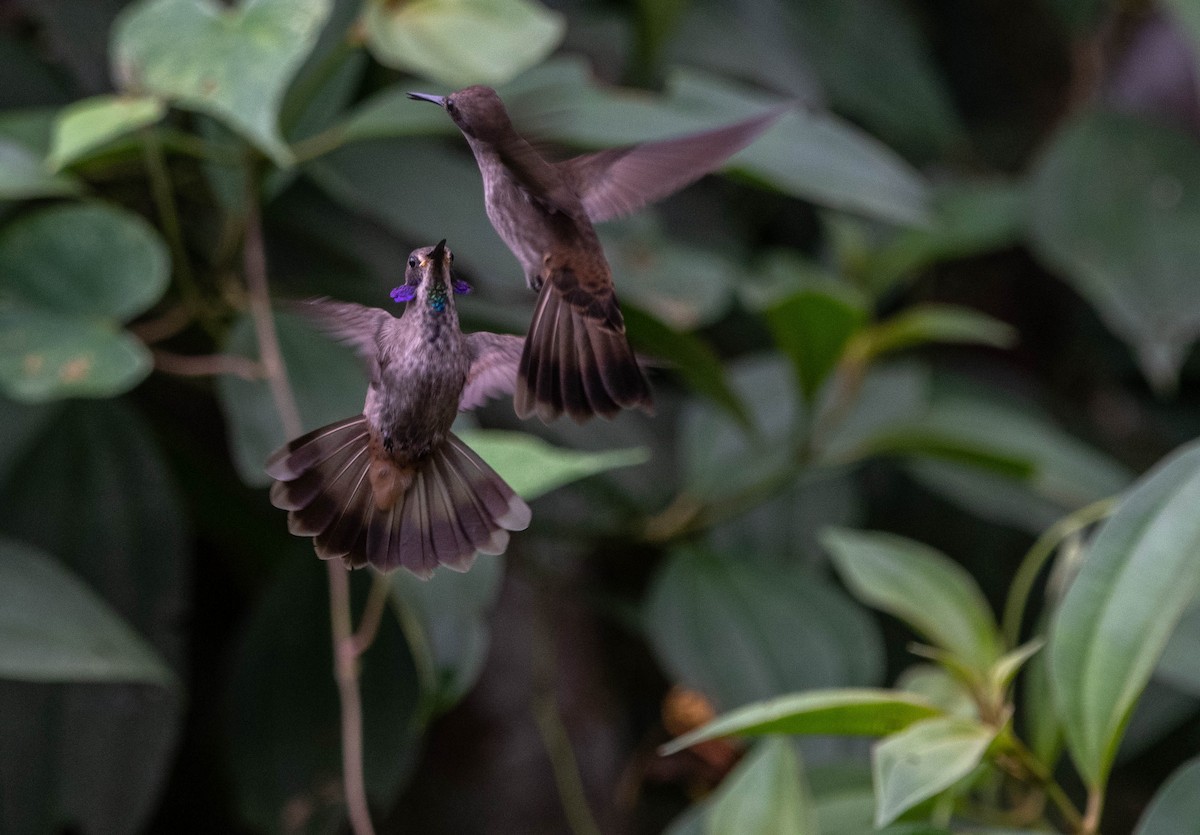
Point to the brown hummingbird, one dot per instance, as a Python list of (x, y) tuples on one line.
[(394, 486), (577, 357)]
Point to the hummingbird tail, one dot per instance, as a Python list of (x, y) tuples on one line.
[(449, 507), (576, 363)]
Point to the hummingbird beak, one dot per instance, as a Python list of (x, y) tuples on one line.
[(438, 252), (440, 101)]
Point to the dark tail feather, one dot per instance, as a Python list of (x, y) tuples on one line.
[(577, 364), (455, 506)]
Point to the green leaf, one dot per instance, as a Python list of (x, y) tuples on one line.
[(22, 175), (1178, 666), (934, 595), (1006, 669), (91, 123), (689, 356), (231, 63), (533, 467), (847, 712), (1114, 203), (1176, 807), (923, 760), (283, 711), (765, 795), (812, 328), (328, 381), (44, 356), (54, 628), (739, 631), (445, 620), (925, 323), (389, 114), (86, 259), (461, 42), (937, 685), (1111, 628)]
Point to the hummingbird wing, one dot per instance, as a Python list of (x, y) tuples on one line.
[(618, 181), (353, 324), (493, 371), (542, 181)]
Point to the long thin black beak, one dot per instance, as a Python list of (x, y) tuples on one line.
[(440, 101), (439, 252)]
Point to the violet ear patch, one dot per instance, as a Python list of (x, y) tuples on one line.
[(461, 288), (404, 293)]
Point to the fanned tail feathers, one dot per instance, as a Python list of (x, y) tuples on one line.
[(576, 363), (453, 505)]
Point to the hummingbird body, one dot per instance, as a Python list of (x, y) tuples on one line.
[(577, 357), (394, 486)]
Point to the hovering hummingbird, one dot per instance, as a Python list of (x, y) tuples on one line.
[(577, 357), (394, 486)]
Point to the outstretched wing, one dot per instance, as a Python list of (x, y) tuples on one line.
[(353, 324), (618, 181), (493, 371)]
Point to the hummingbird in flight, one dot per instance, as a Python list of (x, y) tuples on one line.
[(577, 358), (394, 486)]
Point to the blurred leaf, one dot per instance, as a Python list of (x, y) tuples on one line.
[(44, 356), (1111, 628), (232, 63), (327, 82), (390, 113), (461, 42), (847, 712), (924, 323), (92, 489), (765, 795), (91, 123), (54, 628), (283, 708), (1005, 670), (923, 760), (32, 128), (1114, 204), (1176, 806), (1043, 728), (328, 381), (1178, 666), (873, 61), (967, 219), (689, 357), (812, 328), (927, 590), (83, 259), (1081, 16), (533, 467), (1185, 14), (23, 176), (936, 685), (445, 621), (843, 797), (739, 631)]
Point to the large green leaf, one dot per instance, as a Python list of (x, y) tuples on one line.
[(1140, 575), (90, 487), (328, 382), (54, 628), (812, 328), (445, 620), (934, 595), (926, 323), (1114, 204), (849, 712), (23, 176), (923, 760), (1176, 807), (461, 42), (232, 63), (765, 795), (740, 631), (1178, 665), (91, 123), (283, 710)]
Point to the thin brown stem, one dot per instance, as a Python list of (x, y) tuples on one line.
[(171, 322), (168, 217), (345, 656), (1091, 817), (208, 365), (1031, 769), (372, 616)]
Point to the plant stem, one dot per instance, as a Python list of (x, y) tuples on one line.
[(1091, 818), (1038, 773), (345, 656), (372, 614), (554, 734), (1041, 551), (208, 365), (168, 217)]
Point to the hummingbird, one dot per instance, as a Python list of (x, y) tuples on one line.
[(577, 358), (394, 486)]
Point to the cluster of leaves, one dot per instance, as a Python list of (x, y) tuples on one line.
[(123, 218)]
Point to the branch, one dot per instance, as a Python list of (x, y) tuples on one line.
[(344, 653), (209, 365)]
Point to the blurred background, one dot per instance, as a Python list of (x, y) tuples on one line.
[(951, 295)]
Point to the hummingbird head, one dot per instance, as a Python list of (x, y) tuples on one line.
[(477, 111), (428, 275)]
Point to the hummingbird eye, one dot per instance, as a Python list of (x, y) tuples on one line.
[(450, 105), (412, 261)]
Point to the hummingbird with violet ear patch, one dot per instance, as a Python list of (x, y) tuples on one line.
[(394, 486), (577, 357)]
